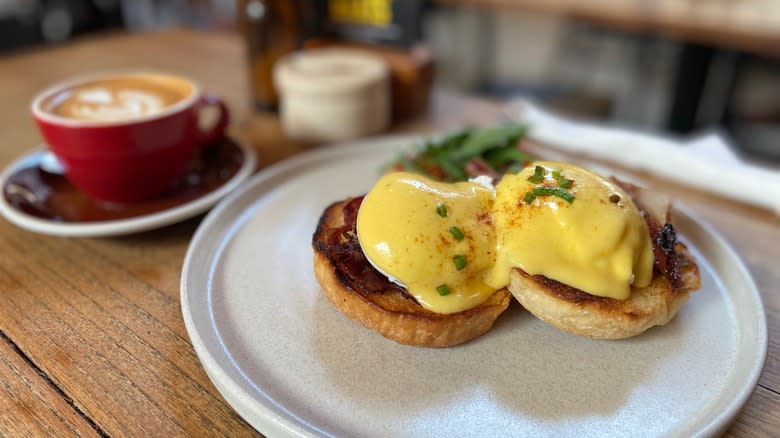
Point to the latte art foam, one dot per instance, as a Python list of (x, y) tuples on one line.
[(101, 104), (119, 98)]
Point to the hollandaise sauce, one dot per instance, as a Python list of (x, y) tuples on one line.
[(452, 245), (436, 239), (589, 236)]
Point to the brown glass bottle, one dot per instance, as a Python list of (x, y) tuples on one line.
[(271, 29)]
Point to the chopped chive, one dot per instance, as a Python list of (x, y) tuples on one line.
[(538, 175), (543, 191), (556, 174), (565, 195), (443, 290), (457, 233), (460, 262), (529, 197), (441, 210), (550, 191), (614, 198), (565, 183)]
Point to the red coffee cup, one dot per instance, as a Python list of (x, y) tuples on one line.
[(126, 137)]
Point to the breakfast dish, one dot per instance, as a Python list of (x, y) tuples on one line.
[(665, 272), (583, 253), (37, 196), (366, 296), (293, 365)]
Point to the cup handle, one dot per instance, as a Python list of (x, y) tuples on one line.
[(218, 130)]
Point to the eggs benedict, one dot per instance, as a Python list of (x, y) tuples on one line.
[(592, 237), (571, 246), (359, 291), (435, 239)]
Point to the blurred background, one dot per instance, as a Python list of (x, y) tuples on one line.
[(678, 66)]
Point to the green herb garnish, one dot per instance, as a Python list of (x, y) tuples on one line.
[(457, 233), (443, 290), (479, 141), (554, 191), (563, 182), (446, 158), (441, 210), (560, 191), (538, 175), (508, 156), (565, 195), (460, 262)]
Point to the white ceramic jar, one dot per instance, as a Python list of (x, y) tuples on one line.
[(333, 94)]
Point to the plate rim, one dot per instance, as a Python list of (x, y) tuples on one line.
[(124, 226), (266, 419)]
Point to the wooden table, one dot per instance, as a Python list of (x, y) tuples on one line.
[(92, 340)]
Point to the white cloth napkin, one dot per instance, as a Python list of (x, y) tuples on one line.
[(705, 162)]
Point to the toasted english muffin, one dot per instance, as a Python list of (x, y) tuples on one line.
[(580, 313), (361, 293)]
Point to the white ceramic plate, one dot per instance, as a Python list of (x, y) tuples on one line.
[(129, 225), (292, 365)]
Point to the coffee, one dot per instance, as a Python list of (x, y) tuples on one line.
[(118, 98), (126, 137)]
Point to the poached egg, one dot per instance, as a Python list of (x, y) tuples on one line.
[(452, 245)]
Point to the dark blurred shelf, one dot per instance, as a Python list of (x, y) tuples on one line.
[(747, 25), (35, 23)]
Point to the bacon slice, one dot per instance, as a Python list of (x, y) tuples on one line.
[(478, 167), (342, 247)]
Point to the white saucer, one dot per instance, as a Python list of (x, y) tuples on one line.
[(128, 225)]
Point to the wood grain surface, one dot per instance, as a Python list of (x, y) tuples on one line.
[(36, 406), (92, 340)]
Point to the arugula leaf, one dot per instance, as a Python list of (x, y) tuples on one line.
[(455, 171), (507, 155), (446, 158), (481, 140), (452, 141)]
